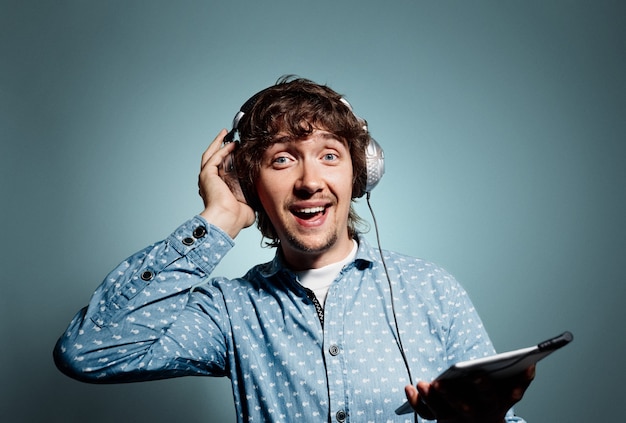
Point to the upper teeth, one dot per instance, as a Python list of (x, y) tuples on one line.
[(312, 210)]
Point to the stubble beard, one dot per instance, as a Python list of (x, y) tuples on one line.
[(298, 244)]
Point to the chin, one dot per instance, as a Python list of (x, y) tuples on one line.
[(312, 246)]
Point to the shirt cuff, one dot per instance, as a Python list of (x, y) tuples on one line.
[(202, 242)]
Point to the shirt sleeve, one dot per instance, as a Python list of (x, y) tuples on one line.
[(136, 324), (467, 337)]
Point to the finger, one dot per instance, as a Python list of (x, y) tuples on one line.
[(422, 403), (411, 395), (214, 147), (524, 381)]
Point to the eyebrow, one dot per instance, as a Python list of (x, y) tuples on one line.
[(329, 135)]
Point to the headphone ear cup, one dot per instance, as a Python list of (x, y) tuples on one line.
[(229, 175), (374, 165)]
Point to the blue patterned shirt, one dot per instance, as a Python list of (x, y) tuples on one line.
[(159, 315)]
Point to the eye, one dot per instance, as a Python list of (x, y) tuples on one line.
[(329, 157), (281, 161)]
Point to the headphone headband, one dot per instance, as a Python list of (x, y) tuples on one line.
[(374, 155)]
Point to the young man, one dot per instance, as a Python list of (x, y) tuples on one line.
[(327, 331)]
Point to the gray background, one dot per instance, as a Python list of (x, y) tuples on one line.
[(503, 124)]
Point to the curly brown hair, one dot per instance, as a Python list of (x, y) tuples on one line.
[(295, 107)]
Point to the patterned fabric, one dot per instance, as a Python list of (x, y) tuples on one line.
[(159, 315)]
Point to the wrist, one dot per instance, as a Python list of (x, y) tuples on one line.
[(224, 219)]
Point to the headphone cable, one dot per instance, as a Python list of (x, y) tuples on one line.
[(393, 307)]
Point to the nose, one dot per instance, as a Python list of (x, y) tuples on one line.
[(311, 178)]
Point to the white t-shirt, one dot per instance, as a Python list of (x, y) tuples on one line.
[(319, 280)]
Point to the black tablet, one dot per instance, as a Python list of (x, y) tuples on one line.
[(501, 365)]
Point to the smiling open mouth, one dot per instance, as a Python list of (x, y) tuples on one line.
[(309, 213)]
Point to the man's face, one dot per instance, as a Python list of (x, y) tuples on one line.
[(305, 187)]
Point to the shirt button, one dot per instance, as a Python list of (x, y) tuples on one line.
[(147, 275), (199, 232), (341, 416), (188, 241), (333, 350)]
